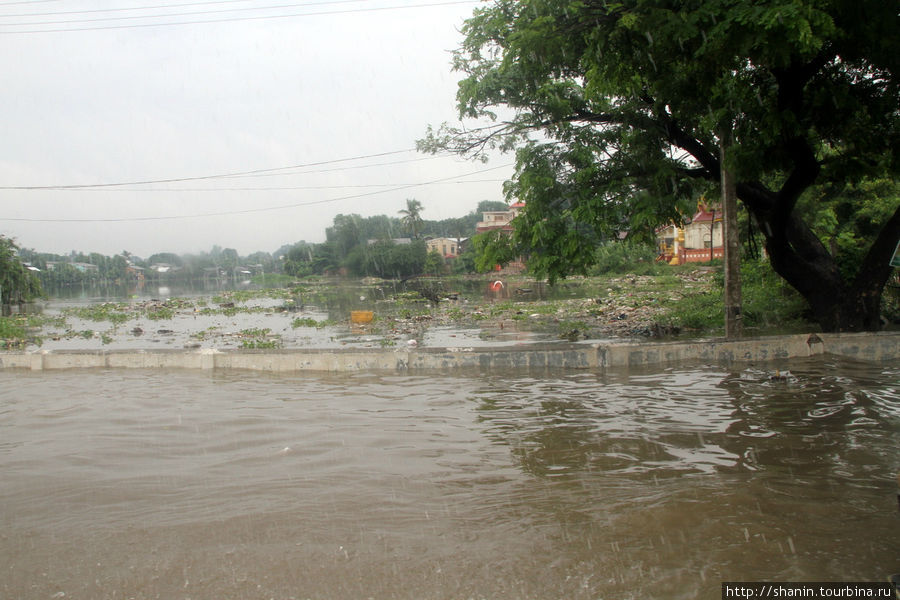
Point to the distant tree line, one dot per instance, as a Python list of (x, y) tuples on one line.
[(384, 246), (379, 246)]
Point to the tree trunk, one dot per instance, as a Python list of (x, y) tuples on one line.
[(732, 247)]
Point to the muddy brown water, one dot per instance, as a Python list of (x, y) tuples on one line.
[(621, 484)]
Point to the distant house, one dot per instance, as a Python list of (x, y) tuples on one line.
[(79, 266), (499, 219), (446, 247), (699, 240), (164, 268)]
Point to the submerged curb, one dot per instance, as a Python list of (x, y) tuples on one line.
[(878, 347)]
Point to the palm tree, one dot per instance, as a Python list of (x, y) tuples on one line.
[(412, 218)]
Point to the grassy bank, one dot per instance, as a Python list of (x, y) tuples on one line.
[(769, 305)]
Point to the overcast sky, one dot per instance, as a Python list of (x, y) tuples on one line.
[(344, 92)]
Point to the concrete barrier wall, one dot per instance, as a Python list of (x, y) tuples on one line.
[(863, 346)]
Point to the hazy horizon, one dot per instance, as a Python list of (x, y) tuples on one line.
[(251, 132)]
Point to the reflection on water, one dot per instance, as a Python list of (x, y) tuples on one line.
[(117, 292), (569, 485), (337, 294)]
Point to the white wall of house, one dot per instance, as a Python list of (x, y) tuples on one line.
[(697, 235)]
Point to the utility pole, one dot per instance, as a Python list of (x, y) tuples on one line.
[(732, 243)]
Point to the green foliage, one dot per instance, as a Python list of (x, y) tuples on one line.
[(299, 260), (702, 311), (848, 216), (310, 322), (255, 332), (175, 260), (161, 313), (345, 246), (465, 262), (256, 338), (17, 283), (434, 263), (11, 328), (626, 258), (618, 111), (492, 248), (387, 260), (114, 312), (412, 217), (255, 344), (768, 304)]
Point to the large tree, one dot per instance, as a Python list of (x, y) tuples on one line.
[(618, 110)]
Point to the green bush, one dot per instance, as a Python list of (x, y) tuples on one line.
[(767, 302), (626, 257)]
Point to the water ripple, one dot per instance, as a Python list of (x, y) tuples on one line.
[(477, 485)]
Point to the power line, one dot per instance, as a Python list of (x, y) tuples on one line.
[(26, 2), (253, 210), (110, 10), (152, 16), (279, 188), (228, 20), (365, 166), (202, 177)]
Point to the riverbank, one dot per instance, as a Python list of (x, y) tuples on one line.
[(486, 311)]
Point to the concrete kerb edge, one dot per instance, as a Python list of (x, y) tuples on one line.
[(877, 347)]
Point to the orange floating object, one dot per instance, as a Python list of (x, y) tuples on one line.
[(361, 316)]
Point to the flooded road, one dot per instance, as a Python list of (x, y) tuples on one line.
[(620, 484)]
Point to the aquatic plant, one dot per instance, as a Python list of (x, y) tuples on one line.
[(310, 322), (38, 320), (162, 313), (11, 328), (114, 312), (255, 332), (256, 344)]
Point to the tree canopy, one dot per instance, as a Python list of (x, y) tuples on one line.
[(617, 112), (17, 283)]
